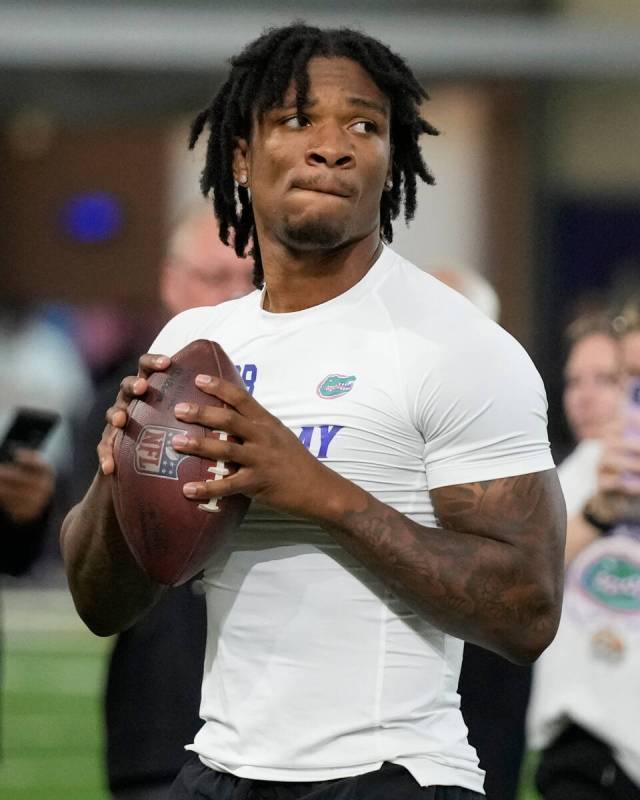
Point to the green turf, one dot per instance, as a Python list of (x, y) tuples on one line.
[(51, 715)]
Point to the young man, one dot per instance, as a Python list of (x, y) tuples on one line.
[(393, 443)]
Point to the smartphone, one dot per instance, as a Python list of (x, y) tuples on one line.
[(29, 429)]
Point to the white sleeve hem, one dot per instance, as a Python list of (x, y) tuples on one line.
[(492, 470)]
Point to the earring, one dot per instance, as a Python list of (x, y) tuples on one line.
[(388, 185), (243, 180)]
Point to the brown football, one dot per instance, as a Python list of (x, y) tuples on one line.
[(171, 537)]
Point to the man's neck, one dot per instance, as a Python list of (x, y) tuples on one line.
[(298, 280)]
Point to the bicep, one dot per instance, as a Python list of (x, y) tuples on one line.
[(525, 511)]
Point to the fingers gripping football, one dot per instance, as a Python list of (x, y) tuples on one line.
[(274, 467), (131, 387)]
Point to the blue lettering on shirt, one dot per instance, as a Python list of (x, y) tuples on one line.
[(306, 435), (248, 373), (327, 432), (326, 435)]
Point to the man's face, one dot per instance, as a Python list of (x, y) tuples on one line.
[(316, 180), (202, 271), (592, 391)]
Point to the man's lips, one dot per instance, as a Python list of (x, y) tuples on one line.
[(336, 188)]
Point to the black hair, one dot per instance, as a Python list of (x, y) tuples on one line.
[(259, 78)]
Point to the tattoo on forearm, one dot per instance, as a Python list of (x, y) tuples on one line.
[(495, 566)]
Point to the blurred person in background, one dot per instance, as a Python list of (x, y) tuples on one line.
[(26, 494), (494, 692), (586, 694), (593, 383), (41, 368), (628, 326), (155, 670)]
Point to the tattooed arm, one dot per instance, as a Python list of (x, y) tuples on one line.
[(493, 576)]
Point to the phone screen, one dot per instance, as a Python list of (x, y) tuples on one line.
[(29, 429)]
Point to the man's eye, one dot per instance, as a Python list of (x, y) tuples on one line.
[(297, 121), (364, 126)]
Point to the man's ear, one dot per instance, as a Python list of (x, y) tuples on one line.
[(241, 162), (389, 177)]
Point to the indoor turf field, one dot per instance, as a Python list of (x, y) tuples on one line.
[(51, 713)]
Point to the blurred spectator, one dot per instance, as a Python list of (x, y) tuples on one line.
[(586, 697), (592, 396), (26, 494), (155, 671), (41, 369), (493, 692), (628, 327)]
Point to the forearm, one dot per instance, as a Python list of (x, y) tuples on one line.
[(479, 589), (109, 589)]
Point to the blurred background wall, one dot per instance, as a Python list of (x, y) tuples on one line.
[(538, 178)]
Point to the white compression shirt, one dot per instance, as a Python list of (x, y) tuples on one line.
[(314, 670)]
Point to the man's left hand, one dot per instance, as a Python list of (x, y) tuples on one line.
[(274, 467)]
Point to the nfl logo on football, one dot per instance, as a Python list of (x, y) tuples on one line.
[(154, 455)]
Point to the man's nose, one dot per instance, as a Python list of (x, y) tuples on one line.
[(333, 150)]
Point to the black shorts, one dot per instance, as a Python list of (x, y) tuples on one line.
[(390, 782)]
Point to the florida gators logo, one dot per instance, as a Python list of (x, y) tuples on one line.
[(335, 386), (154, 454), (614, 581)]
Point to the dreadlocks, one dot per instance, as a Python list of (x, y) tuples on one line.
[(258, 80)]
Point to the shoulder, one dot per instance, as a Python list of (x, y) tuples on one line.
[(420, 303), (437, 325)]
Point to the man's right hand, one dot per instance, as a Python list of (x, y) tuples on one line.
[(131, 388)]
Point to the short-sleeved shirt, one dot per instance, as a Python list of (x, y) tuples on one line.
[(314, 669)]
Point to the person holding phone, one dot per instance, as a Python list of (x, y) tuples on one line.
[(26, 494), (26, 491), (586, 690)]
